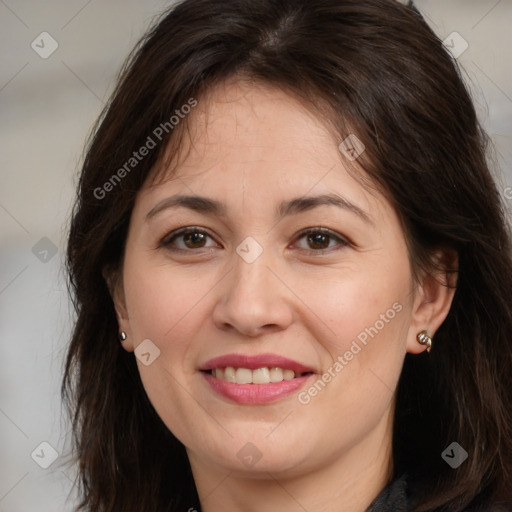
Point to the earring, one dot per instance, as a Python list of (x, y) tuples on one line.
[(424, 339), (122, 336)]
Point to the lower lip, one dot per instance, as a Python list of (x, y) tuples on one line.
[(255, 393)]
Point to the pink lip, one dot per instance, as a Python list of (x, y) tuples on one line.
[(254, 362), (255, 393)]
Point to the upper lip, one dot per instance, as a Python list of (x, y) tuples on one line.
[(254, 362)]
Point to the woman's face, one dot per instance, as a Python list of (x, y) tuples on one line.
[(288, 266)]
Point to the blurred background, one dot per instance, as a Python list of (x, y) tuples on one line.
[(59, 60)]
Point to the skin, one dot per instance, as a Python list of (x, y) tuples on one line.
[(252, 146)]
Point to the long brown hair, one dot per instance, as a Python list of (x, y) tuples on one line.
[(373, 65)]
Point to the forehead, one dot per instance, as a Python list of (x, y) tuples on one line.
[(256, 140), (254, 122)]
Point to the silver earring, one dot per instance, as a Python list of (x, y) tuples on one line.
[(122, 336), (424, 339)]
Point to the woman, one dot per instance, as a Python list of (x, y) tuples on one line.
[(291, 271)]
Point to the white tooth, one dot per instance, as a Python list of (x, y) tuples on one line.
[(219, 373), (243, 376), (288, 374), (260, 376), (229, 374), (276, 375)]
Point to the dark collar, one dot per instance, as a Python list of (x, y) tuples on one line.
[(393, 498)]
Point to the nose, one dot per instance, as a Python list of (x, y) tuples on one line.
[(252, 299)]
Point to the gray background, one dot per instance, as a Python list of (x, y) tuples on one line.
[(47, 108)]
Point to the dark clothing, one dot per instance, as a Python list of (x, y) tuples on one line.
[(392, 499), (396, 497)]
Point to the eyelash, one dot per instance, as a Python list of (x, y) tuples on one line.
[(171, 237)]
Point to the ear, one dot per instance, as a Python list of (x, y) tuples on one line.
[(434, 296), (114, 281)]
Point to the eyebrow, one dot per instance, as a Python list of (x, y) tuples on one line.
[(286, 208)]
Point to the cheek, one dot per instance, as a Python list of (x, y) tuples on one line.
[(365, 322), (365, 316), (160, 299), (361, 304), (164, 306)]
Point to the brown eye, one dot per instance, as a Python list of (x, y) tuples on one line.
[(319, 240), (194, 239), (186, 238)]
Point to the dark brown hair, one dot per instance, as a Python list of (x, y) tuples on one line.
[(374, 66)]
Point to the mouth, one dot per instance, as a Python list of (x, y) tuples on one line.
[(253, 380), (263, 375)]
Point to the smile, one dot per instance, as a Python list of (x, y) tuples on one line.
[(256, 379), (263, 375)]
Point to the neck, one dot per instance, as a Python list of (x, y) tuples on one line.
[(348, 482)]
